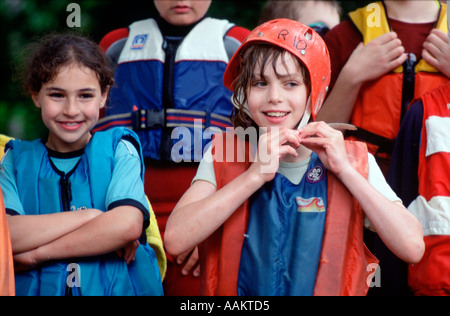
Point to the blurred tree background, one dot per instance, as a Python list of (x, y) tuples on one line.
[(23, 21)]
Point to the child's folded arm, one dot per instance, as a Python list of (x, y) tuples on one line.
[(106, 233), (31, 231)]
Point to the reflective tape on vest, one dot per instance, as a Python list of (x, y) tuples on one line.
[(438, 135)]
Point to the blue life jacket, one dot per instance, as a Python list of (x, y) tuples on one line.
[(197, 99), (39, 191), (283, 243)]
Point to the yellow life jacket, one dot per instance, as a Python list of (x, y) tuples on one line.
[(371, 27), (381, 103), (3, 140)]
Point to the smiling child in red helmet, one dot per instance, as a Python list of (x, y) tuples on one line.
[(286, 225)]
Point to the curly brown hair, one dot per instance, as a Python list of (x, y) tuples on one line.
[(58, 50), (257, 56)]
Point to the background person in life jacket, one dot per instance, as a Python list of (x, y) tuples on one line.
[(420, 155), (186, 53), (321, 16), (369, 90), (278, 87), (369, 86), (6, 261), (7, 286)]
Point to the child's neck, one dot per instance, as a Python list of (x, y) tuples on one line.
[(168, 29), (57, 145), (412, 11)]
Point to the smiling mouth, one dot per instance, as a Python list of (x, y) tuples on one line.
[(276, 114), (70, 125)]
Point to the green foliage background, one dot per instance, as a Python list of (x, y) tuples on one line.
[(23, 21)]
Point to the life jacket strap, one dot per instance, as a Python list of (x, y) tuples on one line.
[(152, 119), (385, 145)]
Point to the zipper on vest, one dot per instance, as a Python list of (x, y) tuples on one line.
[(65, 185), (409, 82), (170, 47), (66, 198), (66, 192)]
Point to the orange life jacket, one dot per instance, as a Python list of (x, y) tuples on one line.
[(434, 155), (345, 262), (381, 103), (7, 285), (431, 276)]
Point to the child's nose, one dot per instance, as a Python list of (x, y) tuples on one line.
[(275, 95), (71, 108)]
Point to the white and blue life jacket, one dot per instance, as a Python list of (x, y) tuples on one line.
[(162, 84)]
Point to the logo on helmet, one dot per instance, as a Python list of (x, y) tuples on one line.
[(299, 43)]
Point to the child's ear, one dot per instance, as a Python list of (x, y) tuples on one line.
[(35, 97), (104, 97)]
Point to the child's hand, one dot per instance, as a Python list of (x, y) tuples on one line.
[(328, 144), (190, 261), (128, 252), (377, 58), (436, 51), (273, 146)]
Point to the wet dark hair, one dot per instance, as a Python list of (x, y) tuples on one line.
[(55, 51), (257, 55)]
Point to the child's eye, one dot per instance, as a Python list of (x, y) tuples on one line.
[(86, 96), (56, 95), (292, 84), (259, 83)]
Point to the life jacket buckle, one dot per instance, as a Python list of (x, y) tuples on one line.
[(148, 119)]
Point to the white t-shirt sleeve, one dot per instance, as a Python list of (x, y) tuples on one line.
[(378, 181), (205, 171)]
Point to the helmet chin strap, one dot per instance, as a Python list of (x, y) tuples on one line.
[(306, 116)]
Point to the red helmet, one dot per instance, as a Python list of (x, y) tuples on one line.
[(300, 40)]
